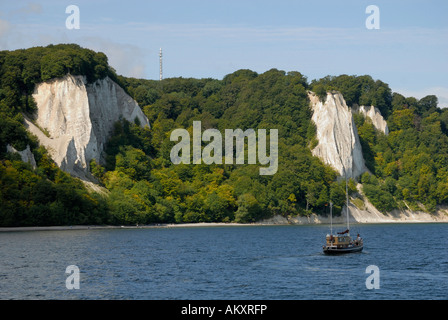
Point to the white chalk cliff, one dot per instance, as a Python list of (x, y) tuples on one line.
[(78, 119), (375, 115), (339, 144), (26, 155)]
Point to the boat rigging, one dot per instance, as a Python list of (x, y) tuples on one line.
[(342, 242)]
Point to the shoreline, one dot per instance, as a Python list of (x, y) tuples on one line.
[(104, 227), (367, 214), (275, 221)]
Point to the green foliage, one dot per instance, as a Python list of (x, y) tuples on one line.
[(275, 99), (21, 69), (249, 210), (57, 61), (45, 195), (407, 167), (29, 198), (204, 193), (361, 90), (380, 198), (410, 163)]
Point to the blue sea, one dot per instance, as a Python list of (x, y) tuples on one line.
[(225, 262)]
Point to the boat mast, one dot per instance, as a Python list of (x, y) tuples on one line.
[(346, 191), (331, 218)]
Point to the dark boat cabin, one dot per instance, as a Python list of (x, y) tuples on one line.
[(340, 241)]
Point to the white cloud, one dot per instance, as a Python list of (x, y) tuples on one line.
[(4, 29), (31, 8), (126, 59)]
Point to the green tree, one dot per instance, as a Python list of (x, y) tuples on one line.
[(249, 209)]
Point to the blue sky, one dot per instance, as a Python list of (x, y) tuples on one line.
[(210, 38)]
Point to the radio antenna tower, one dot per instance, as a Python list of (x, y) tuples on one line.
[(160, 61)]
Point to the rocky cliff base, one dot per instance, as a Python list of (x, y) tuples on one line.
[(366, 214), (358, 216)]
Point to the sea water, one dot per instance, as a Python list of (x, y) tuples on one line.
[(228, 262)]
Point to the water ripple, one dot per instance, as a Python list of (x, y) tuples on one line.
[(277, 262)]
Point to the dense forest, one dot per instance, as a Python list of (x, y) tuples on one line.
[(44, 195), (408, 168)]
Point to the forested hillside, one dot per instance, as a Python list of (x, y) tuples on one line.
[(45, 195), (409, 166), (147, 182)]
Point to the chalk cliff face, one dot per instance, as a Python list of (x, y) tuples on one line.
[(338, 138), (78, 119), (375, 115), (26, 155)]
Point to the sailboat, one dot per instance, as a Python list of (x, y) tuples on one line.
[(342, 242)]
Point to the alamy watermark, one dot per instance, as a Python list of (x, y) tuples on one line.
[(73, 20), (72, 281), (373, 20), (373, 280), (213, 152)]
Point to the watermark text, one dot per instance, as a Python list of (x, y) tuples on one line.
[(373, 280), (213, 152), (73, 20), (72, 281)]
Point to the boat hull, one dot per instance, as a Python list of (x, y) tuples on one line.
[(332, 250)]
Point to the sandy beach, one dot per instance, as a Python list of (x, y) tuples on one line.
[(356, 216), (98, 227)]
